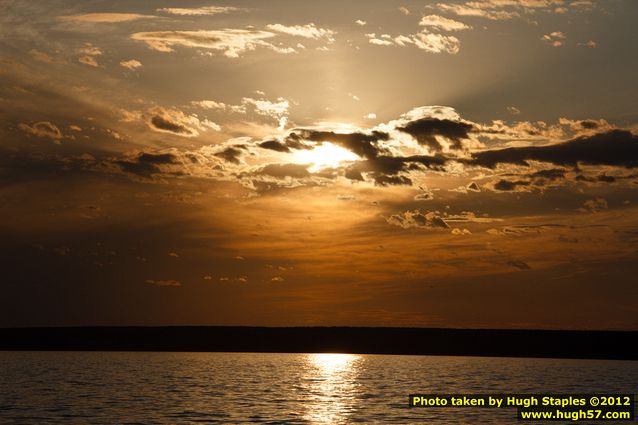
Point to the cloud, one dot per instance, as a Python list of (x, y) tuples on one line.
[(424, 40), (425, 195), (418, 219), (198, 11), (231, 154), (595, 205), (40, 56), (509, 185), (89, 51), (427, 131), (550, 174), (473, 187), (232, 42), (521, 265), (154, 165), (168, 282), (404, 10), (97, 18), (360, 22), (445, 24), (362, 144), (284, 170), (473, 9), (434, 43), (305, 31), (501, 10), (370, 116), (176, 122), (582, 4), (555, 39), (88, 60), (614, 148), (145, 164), (131, 64), (44, 129), (433, 140), (513, 110), (274, 145), (382, 40), (160, 123), (468, 217), (211, 104), (385, 158), (277, 110), (519, 230), (378, 162), (586, 127)]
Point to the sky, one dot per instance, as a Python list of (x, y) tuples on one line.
[(466, 164)]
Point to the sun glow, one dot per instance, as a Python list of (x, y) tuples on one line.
[(325, 155)]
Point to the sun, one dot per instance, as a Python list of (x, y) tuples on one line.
[(326, 155)]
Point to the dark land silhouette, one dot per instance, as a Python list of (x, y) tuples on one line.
[(421, 341)]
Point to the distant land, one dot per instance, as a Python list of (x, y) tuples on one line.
[(619, 345)]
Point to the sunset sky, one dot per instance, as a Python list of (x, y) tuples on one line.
[(375, 163)]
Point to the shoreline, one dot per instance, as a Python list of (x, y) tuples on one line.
[(607, 345)]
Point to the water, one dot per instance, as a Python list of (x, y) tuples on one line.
[(228, 388)]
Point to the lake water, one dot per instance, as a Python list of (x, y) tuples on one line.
[(229, 388)]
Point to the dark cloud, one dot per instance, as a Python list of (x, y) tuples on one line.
[(418, 219), (42, 129), (615, 148), (363, 144), (145, 164), (606, 179), (473, 187), (274, 145), (509, 185), (589, 124), (425, 130), (385, 170), (551, 174), (231, 154), (167, 282), (424, 196), (284, 170), (387, 180), (161, 123), (595, 205), (174, 121), (521, 265), (582, 178)]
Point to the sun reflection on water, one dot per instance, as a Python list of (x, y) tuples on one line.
[(332, 387)]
